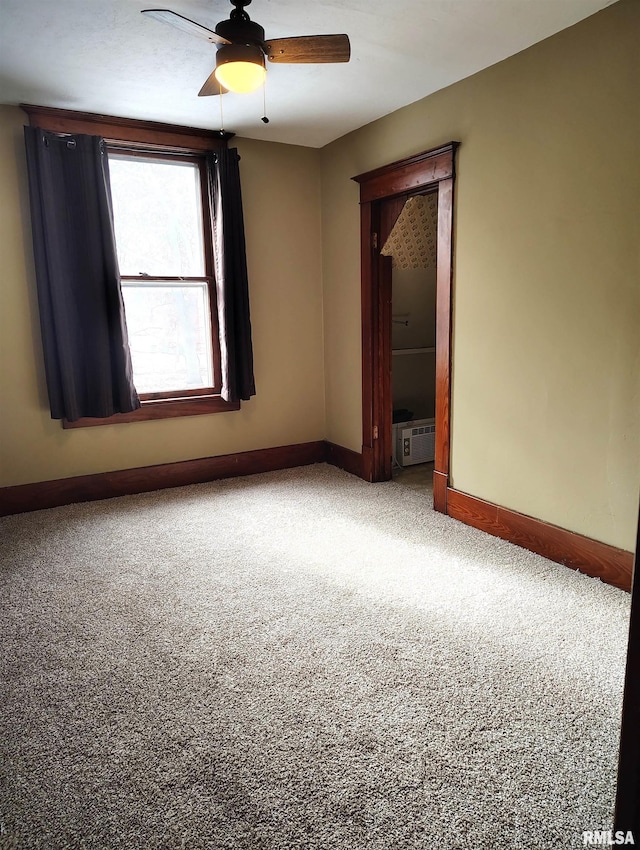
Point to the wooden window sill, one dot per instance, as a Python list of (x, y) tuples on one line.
[(160, 409)]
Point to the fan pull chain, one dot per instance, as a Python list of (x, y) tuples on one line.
[(265, 120), (221, 114)]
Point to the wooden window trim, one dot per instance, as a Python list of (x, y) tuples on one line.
[(162, 409), (146, 137), (197, 159), (129, 131)]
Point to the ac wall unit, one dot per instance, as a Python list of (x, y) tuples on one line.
[(416, 443)]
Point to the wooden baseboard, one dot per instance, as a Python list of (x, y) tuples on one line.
[(440, 482), (124, 482), (600, 560), (345, 459), (612, 565)]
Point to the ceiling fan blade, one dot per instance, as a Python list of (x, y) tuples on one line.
[(211, 86), (309, 48), (184, 24)]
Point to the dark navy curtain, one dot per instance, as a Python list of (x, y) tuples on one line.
[(232, 285), (84, 332)]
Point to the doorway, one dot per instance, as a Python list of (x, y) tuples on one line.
[(412, 246), (383, 194)]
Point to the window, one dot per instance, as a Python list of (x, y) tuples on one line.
[(160, 205), (183, 360)]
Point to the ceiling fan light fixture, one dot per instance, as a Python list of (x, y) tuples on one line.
[(240, 67)]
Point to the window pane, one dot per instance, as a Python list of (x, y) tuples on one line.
[(169, 335), (158, 216)]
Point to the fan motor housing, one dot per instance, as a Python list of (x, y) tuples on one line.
[(243, 31)]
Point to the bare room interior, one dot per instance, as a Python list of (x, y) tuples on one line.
[(320, 432)]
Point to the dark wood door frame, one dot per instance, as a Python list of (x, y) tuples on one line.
[(431, 170)]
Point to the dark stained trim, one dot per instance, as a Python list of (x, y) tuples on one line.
[(407, 176), (368, 271), (123, 482), (161, 409), (596, 559), (440, 485), (600, 560), (114, 129), (382, 194), (345, 459)]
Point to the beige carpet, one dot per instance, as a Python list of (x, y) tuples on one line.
[(299, 660)]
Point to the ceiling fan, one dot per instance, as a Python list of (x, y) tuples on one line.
[(242, 48)]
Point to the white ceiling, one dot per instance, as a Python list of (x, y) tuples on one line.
[(104, 56)]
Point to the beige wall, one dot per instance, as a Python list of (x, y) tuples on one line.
[(281, 189), (546, 349)]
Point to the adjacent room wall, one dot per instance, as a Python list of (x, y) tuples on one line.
[(281, 193), (413, 376), (546, 332)]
